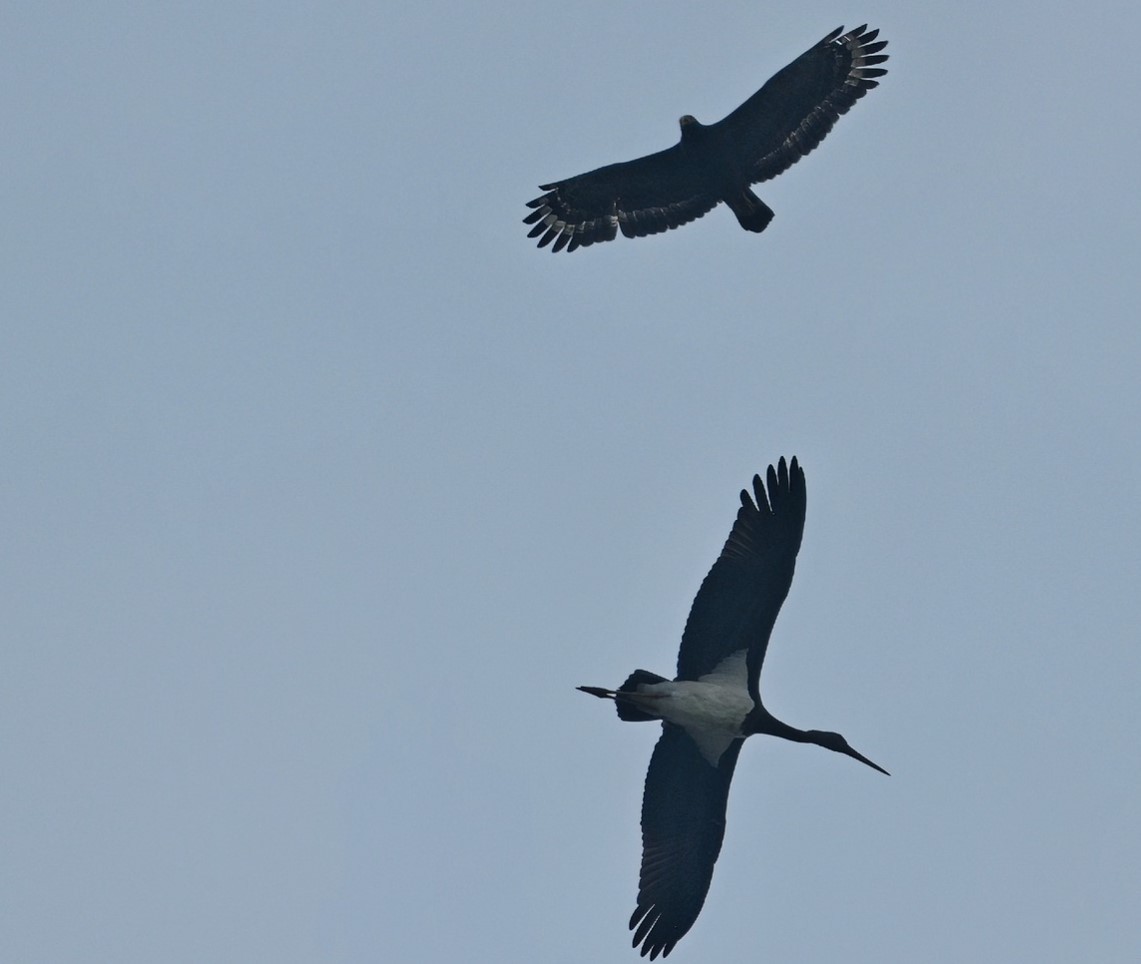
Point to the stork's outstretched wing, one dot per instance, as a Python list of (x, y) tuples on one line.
[(683, 824), (738, 602)]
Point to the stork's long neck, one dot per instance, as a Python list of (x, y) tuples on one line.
[(761, 720)]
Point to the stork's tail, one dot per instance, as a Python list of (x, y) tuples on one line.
[(627, 710), (751, 211)]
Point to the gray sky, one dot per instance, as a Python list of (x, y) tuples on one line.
[(322, 488)]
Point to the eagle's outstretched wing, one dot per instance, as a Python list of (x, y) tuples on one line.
[(796, 109), (644, 196)]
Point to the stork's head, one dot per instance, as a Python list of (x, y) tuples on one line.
[(835, 742)]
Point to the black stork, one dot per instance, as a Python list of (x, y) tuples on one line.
[(711, 706)]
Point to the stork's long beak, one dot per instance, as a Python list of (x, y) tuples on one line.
[(864, 759)]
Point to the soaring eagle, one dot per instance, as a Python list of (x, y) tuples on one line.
[(771, 131)]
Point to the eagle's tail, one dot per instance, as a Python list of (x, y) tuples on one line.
[(751, 211)]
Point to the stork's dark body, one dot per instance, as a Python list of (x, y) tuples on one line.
[(711, 706)]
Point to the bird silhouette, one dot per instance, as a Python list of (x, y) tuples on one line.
[(711, 706), (772, 130)]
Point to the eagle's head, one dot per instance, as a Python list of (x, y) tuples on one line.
[(691, 129)]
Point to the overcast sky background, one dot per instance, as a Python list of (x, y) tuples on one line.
[(321, 488)]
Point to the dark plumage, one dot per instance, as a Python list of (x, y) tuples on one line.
[(712, 705), (763, 137)]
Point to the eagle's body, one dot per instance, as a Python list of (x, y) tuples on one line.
[(763, 137)]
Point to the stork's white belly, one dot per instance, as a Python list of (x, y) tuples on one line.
[(711, 709), (697, 705)]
